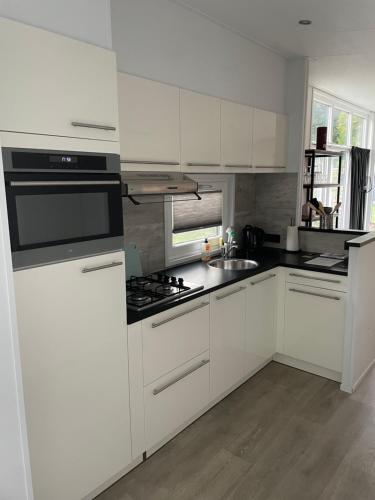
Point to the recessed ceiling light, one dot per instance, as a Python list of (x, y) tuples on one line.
[(305, 22)]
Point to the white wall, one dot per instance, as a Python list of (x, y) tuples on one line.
[(163, 41), (87, 20), (15, 481), (359, 352)]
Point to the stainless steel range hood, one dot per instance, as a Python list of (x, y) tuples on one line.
[(149, 187)]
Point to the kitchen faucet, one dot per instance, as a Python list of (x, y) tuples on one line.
[(229, 245)]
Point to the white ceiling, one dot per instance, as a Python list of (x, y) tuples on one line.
[(340, 27)]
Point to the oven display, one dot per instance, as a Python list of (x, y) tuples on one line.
[(63, 159)]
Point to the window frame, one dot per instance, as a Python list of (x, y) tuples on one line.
[(335, 103), (187, 252)]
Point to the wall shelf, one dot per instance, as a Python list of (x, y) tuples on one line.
[(312, 155)]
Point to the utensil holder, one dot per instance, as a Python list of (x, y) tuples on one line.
[(326, 222)]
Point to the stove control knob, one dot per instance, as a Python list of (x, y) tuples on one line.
[(160, 277), (181, 281), (174, 280), (166, 279)]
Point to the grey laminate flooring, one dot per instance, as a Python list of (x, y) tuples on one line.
[(283, 435)]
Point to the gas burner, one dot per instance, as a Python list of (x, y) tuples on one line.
[(145, 291)]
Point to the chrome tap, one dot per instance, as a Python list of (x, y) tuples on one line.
[(229, 245)]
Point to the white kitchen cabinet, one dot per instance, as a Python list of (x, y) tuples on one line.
[(200, 132), (175, 336), (54, 85), (261, 304), (314, 325), (173, 400), (149, 124), (270, 136), (227, 337), (72, 334), (236, 137)]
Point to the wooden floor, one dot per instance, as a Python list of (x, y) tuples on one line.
[(283, 435)]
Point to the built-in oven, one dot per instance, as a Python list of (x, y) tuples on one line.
[(62, 205)]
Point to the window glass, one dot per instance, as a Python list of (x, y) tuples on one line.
[(357, 130), (319, 118), (198, 235), (340, 127)]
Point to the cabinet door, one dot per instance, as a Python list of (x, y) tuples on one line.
[(72, 328), (314, 325), (236, 136), (50, 81), (173, 400), (261, 304), (227, 338), (200, 131), (269, 141), (149, 124), (173, 337)]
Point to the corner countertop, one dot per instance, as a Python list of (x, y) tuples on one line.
[(214, 279)]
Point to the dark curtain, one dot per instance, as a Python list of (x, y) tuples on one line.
[(359, 175)]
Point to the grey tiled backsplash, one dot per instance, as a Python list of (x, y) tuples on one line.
[(265, 200)]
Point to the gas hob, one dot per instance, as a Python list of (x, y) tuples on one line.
[(146, 291)]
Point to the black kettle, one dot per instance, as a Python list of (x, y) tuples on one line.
[(252, 238)]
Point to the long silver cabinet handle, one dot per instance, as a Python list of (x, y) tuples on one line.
[(197, 164), (93, 125), (183, 375), (268, 166), (295, 290), (296, 275), (99, 268), (263, 279), (221, 297), (63, 183), (179, 315), (150, 162), (232, 165)]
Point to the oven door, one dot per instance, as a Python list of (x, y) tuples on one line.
[(55, 217)]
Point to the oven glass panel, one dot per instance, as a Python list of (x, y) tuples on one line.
[(47, 218)]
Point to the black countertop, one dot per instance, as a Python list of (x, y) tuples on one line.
[(214, 279)]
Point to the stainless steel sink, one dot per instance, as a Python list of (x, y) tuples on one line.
[(233, 264)]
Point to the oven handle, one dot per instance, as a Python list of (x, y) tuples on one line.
[(63, 183)]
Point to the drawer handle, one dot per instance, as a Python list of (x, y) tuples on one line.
[(183, 375), (232, 165), (99, 268), (93, 125), (263, 279), (314, 294), (221, 297), (179, 315), (296, 275), (197, 164), (150, 162)]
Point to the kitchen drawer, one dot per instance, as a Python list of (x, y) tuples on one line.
[(314, 325), (320, 280), (174, 337), (175, 399)]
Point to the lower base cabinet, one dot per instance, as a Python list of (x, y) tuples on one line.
[(314, 325), (227, 337), (72, 336), (261, 305), (174, 399)]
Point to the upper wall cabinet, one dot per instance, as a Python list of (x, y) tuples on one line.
[(236, 136), (269, 141), (200, 132), (149, 124), (54, 85)]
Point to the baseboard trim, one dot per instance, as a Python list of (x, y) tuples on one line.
[(307, 367), (364, 373), (113, 479)]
